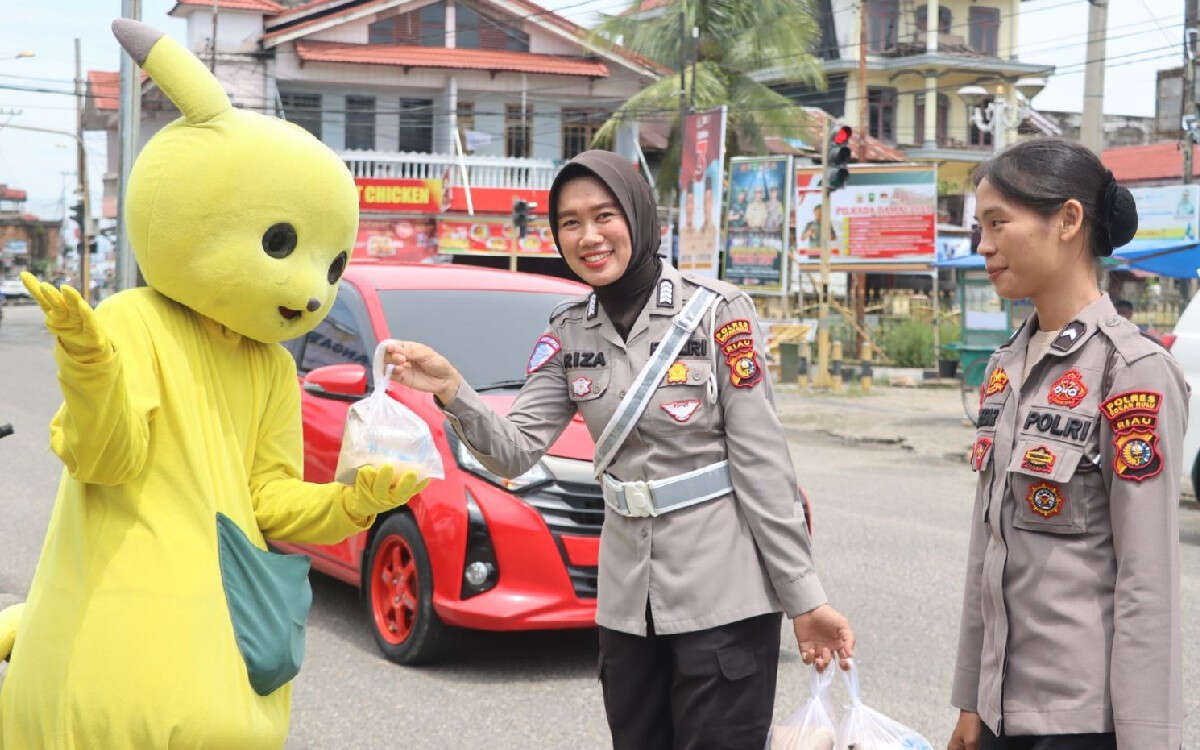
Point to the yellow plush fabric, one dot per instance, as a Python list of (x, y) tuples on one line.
[(179, 404)]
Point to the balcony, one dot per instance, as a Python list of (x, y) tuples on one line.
[(949, 149), (482, 171)]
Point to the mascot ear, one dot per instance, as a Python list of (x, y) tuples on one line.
[(180, 75)]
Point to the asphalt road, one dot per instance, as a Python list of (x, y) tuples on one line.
[(891, 544)]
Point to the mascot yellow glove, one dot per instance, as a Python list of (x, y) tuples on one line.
[(9, 617), (376, 489), (69, 317)]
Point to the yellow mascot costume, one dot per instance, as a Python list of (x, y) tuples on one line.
[(157, 617)]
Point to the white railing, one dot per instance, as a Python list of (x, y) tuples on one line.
[(482, 171)]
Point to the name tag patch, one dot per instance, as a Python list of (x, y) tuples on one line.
[(543, 351), (1133, 417), (988, 417), (693, 348), (584, 359)]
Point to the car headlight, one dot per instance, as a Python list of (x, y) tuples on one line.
[(467, 461)]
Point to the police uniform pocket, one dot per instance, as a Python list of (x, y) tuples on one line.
[(686, 374), (585, 384), (1040, 475)]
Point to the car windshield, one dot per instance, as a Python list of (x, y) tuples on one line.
[(487, 335)]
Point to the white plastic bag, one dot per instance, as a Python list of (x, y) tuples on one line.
[(810, 728), (864, 728), (381, 430)]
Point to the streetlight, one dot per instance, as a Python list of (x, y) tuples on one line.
[(995, 117)]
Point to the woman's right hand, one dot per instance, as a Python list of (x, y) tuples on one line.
[(418, 366), (966, 732)]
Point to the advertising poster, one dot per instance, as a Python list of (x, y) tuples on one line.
[(1167, 213), (399, 195), (468, 237), (700, 195), (884, 211), (756, 222), (401, 240)]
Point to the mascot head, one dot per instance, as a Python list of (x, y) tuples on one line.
[(244, 218)]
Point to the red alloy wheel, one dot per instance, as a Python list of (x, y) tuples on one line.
[(395, 589)]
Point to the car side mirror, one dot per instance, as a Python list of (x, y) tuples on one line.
[(340, 382)]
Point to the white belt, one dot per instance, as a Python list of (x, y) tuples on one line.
[(641, 499)]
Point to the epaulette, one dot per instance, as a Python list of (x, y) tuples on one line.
[(1130, 341), (1013, 337), (723, 288), (568, 304)]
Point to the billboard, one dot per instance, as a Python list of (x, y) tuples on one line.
[(757, 223), (884, 211), (402, 240), (399, 195), (1171, 212), (701, 163), (481, 237)]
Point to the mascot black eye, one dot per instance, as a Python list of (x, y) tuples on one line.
[(279, 240), (337, 267)]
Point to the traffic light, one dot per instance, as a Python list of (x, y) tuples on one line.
[(93, 246), (520, 216), (836, 171), (77, 214)]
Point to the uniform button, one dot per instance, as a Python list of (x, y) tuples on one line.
[(621, 394), (645, 532)]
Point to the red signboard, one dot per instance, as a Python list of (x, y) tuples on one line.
[(470, 237), (492, 200), (404, 240), (399, 196)]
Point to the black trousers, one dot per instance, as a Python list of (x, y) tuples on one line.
[(1102, 741), (708, 690)]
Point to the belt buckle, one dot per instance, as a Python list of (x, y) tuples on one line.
[(638, 500)]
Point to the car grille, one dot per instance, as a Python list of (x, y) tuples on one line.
[(571, 504)]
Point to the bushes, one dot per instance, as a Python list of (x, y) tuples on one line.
[(909, 344)]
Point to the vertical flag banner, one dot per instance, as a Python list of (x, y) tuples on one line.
[(757, 223), (700, 192)]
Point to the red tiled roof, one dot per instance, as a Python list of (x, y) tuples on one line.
[(12, 194), (105, 88), (297, 10), (263, 6), (302, 10), (440, 57), (1156, 161)]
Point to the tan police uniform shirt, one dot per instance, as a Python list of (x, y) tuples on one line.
[(743, 554), (1071, 617)]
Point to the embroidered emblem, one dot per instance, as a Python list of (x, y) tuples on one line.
[(581, 386), (1068, 336), (979, 453), (1130, 402), (1045, 499), (740, 327), (1137, 456), (666, 293), (744, 371), (543, 351), (1040, 459), (1068, 390), (591, 308), (1133, 417), (737, 346), (997, 382), (681, 411), (584, 359), (677, 373)]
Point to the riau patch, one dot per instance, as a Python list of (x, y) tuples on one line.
[(979, 453), (740, 327), (666, 293), (1133, 417), (1046, 499), (1068, 390), (1137, 457), (997, 382), (744, 370), (1040, 459), (681, 411), (581, 386), (543, 351), (737, 346), (1068, 336), (677, 373)]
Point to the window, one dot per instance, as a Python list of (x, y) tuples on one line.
[(338, 339), (975, 136), (304, 110), (466, 121), (518, 131), (883, 20), (360, 122), (475, 30), (416, 125), (943, 118), (425, 27), (881, 107), (944, 18), (984, 26), (579, 126)]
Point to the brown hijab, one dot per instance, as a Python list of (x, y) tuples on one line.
[(623, 299)]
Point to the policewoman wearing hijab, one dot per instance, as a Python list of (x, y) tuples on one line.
[(1070, 636), (704, 539)]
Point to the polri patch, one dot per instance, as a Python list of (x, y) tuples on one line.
[(1040, 459), (1058, 425), (979, 453), (1068, 390), (1068, 336), (543, 351), (744, 370), (737, 346), (581, 386), (996, 382), (739, 327), (677, 373), (1045, 499), (681, 411)]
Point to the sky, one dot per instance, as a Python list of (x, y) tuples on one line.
[(1143, 36)]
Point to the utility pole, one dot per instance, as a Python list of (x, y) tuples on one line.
[(85, 287), (695, 59), (860, 278), (682, 70), (212, 53), (130, 118), (1188, 103), (1092, 131), (821, 379)]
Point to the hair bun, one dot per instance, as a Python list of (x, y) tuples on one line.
[(1118, 216)]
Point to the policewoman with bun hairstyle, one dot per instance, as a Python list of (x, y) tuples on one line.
[(1070, 636), (704, 539)]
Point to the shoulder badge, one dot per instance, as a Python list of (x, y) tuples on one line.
[(1068, 335), (979, 453), (1133, 417), (591, 306), (666, 293), (996, 382), (543, 351)]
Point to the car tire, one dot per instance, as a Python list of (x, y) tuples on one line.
[(398, 593)]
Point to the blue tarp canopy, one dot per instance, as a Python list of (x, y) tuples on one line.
[(1176, 258)]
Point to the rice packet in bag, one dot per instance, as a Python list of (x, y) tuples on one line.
[(380, 430), (810, 728), (864, 728)]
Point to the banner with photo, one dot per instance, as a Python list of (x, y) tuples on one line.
[(401, 240), (1169, 212), (756, 222), (701, 163), (494, 237), (884, 211)]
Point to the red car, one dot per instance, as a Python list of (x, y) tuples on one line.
[(473, 550)]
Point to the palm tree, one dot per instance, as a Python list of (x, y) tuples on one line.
[(737, 38)]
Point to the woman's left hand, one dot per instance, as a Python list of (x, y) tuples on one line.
[(821, 633)]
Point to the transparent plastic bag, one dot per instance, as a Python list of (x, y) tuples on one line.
[(864, 728), (380, 430), (810, 728)]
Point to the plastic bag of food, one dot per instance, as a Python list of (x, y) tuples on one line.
[(864, 728), (810, 728), (380, 430)]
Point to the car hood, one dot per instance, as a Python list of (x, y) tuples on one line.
[(575, 442)]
